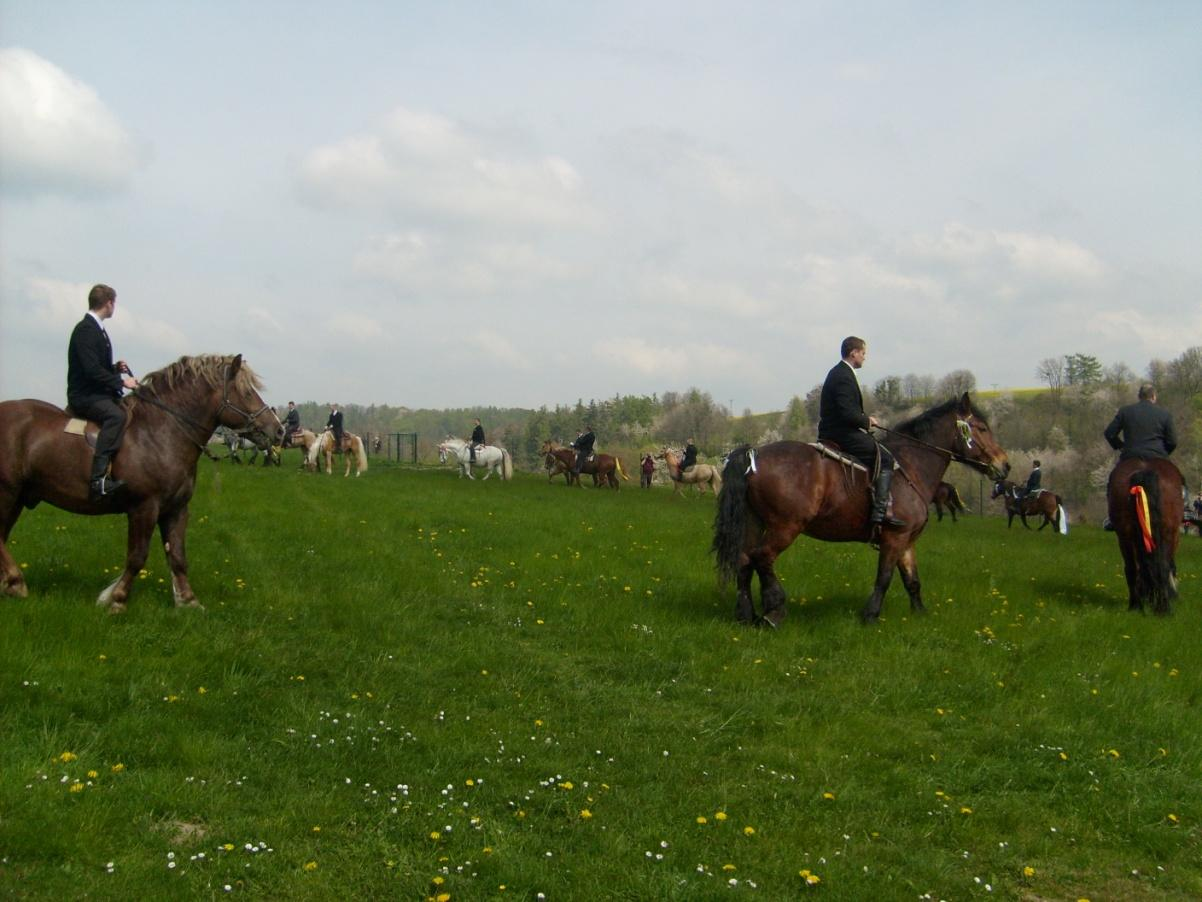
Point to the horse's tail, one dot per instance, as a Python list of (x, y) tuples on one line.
[(361, 453), (1155, 567), (1061, 516), (730, 522), (955, 500), (506, 465), (618, 466)]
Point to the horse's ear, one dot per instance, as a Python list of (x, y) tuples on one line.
[(965, 405), (235, 365)]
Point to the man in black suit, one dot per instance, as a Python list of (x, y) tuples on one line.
[(689, 459), (584, 447), (1147, 430), (291, 425), (1033, 482), (841, 419), (477, 439), (334, 423), (94, 383)]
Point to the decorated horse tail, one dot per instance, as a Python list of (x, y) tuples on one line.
[(731, 519), (506, 465), (618, 465), (1061, 517), (954, 499), (361, 453), (1155, 567)]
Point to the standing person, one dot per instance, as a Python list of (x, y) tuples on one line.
[(841, 419), (291, 425), (334, 423), (648, 468), (477, 439), (95, 383), (584, 447), (689, 459), (1147, 430)]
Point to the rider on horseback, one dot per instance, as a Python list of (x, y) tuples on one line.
[(94, 383), (291, 424), (841, 419), (689, 459), (584, 447), (477, 440), (1032, 486)]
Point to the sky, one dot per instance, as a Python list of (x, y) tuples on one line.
[(461, 204)]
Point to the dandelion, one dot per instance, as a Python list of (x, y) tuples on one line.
[(1028, 872), (76, 787), (809, 877), (1173, 819), (965, 810), (749, 831), (67, 757), (92, 775), (585, 814), (310, 865), (1114, 753), (439, 881), (720, 816), (729, 867), (703, 819), (829, 796)]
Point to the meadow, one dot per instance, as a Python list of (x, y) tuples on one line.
[(415, 687)]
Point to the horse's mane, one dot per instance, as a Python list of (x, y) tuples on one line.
[(923, 425), (209, 368)]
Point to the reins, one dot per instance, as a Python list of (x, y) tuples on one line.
[(965, 433)]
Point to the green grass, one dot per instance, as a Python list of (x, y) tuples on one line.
[(407, 677)]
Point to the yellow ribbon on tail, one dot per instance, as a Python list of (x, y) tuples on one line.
[(1144, 516)]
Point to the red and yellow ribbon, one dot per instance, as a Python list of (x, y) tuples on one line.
[(1144, 516)]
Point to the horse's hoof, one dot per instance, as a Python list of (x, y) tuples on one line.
[(16, 590), (868, 618), (117, 607)]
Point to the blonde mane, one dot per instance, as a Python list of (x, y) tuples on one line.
[(210, 368)]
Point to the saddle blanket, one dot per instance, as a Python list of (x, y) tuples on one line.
[(89, 431)]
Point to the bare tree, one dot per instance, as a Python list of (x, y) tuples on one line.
[(1051, 371)]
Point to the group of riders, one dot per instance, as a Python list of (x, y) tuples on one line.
[(95, 383)]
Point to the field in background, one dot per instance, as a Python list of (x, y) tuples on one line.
[(411, 686)]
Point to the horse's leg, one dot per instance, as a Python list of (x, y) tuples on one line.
[(12, 580), (744, 606), (952, 511), (141, 525), (887, 560), (772, 594), (173, 525), (1135, 601), (907, 566), (939, 512)]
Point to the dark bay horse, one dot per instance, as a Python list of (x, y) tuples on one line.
[(170, 418), (604, 468), (947, 496), (1043, 504), (1147, 535), (786, 489)]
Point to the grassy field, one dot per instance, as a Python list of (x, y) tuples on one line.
[(410, 686)]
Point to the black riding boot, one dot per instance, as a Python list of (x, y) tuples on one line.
[(880, 500)]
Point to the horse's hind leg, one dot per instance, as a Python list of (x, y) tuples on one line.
[(884, 575), (172, 528), (744, 606)]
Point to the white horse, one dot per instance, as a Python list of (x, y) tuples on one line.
[(352, 446), (493, 459)]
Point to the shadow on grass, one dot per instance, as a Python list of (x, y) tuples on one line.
[(1075, 595)]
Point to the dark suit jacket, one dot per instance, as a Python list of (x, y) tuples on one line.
[(335, 423), (690, 457), (292, 420), (1147, 431), (478, 436), (841, 407), (584, 444), (90, 371), (1033, 482)]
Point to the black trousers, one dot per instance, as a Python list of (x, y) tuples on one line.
[(111, 417), (863, 448)]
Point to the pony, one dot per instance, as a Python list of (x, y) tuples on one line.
[(1146, 506), (604, 468), (700, 475), (1043, 503), (775, 493), (947, 496), (170, 419), (493, 459), (324, 444)]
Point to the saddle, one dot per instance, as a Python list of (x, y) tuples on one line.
[(77, 425), (834, 452)]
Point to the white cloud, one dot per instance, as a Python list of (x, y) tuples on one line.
[(55, 306), (500, 349), (58, 135), (1022, 254), (354, 326), (422, 166), (661, 360)]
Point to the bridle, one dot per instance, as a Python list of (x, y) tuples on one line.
[(964, 427), (184, 419)]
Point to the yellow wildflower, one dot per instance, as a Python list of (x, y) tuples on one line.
[(310, 865)]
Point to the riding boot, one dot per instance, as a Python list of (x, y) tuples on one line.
[(880, 500), (101, 484)]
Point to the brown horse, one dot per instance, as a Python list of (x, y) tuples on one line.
[(947, 496), (1149, 555), (170, 418), (699, 475), (786, 489), (604, 468), (1045, 504)]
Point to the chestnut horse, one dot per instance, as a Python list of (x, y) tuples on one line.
[(170, 418), (323, 446), (604, 468), (782, 490), (1147, 534), (947, 496), (1046, 504)]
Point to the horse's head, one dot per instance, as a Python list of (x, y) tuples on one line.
[(243, 409), (999, 489), (975, 443), (442, 453)]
